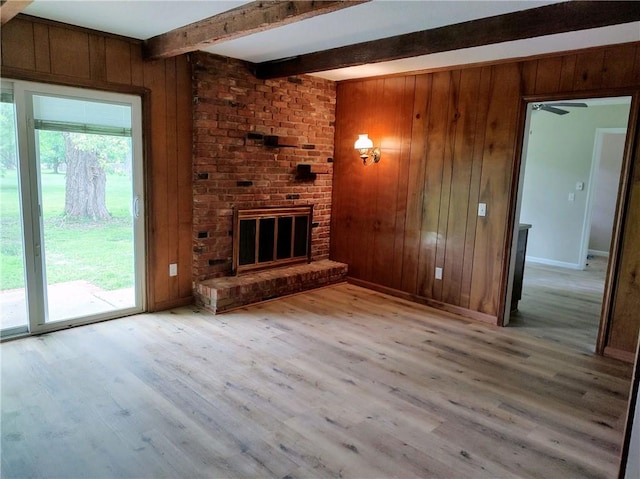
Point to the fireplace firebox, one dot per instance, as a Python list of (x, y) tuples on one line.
[(271, 236)]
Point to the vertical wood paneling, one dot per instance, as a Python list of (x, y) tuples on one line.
[(339, 245), (352, 214), (184, 122), (636, 67), (495, 185), (459, 202), (528, 77), (474, 186), (548, 75), (436, 136), (137, 70), (415, 187), (349, 174), (118, 61), (386, 180), (447, 173), (617, 69), (171, 146), (404, 141), (154, 79), (568, 72), (389, 184), (69, 52), (18, 49), (462, 151), (41, 48), (352, 180), (370, 180), (588, 74)]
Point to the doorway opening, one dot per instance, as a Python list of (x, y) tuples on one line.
[(568, 189)]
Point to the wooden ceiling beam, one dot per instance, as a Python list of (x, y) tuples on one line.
[(535, 22), (251, 18), (10, 8)]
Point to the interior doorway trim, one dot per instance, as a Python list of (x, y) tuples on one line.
[(623, 193)]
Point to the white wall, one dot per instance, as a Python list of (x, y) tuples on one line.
[(559, 154), (605, 191)]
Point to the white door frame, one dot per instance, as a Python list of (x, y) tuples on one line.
[(31, 202)]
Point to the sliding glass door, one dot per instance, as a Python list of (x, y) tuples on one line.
[(13, 293), (80, 177)]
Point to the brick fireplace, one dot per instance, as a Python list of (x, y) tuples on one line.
[(257, 143)]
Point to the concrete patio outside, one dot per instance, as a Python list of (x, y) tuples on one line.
[(69, 300)]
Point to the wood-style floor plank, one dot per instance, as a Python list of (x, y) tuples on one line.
[(561, 304), (338, 382)]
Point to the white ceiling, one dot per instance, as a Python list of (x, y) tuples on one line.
[(143, 19), (139, 19)]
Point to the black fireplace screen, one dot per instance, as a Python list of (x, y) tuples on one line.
[(270, 237)]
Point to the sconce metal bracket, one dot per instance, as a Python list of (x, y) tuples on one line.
[(370, 156)]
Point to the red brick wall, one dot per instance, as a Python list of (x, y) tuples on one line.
[(230, 103)]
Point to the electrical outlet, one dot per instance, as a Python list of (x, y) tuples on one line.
[(438, 273), (482, 209), (580, 185), (173, 269)]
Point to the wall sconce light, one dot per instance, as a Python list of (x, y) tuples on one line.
[(368, 153)]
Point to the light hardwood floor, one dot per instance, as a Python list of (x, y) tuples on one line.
[(337, 382), (562, 305)]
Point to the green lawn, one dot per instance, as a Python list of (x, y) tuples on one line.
[(98, 252)]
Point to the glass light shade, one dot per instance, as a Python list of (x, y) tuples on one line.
[(363, 142)]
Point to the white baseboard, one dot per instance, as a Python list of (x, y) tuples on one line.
[(595, 252), (552, 262)]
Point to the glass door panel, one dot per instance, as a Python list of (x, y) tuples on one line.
[(13, 302), (84, 155), (88, 229)]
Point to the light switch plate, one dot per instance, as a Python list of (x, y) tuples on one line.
[(438, 273), (173, 269), (572, 197), (482, 209)]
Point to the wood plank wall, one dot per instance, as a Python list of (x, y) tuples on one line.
[(39, 50), (450, 139)]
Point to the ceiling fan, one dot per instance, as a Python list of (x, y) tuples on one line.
[(552, 107)]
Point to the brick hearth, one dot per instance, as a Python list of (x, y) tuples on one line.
[(225, 293)]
